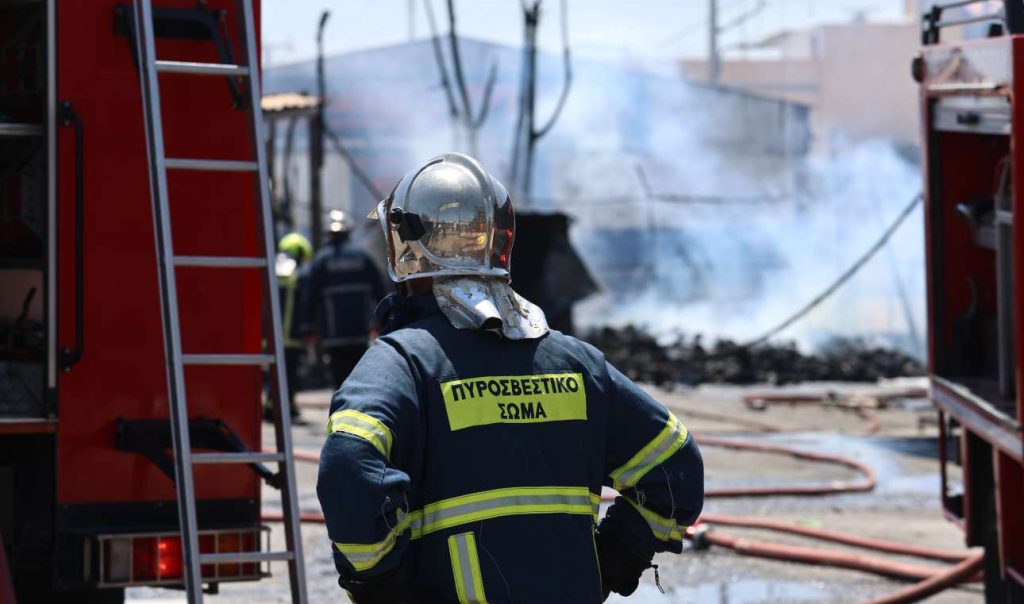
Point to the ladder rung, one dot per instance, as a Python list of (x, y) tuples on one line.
[(227, 359), (220, 261), (212, 165), (215, 69), (246, 457), (241, 557)]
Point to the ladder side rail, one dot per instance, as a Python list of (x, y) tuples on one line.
[(272, 318), (184, 484)]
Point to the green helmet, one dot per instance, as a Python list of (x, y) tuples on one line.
[(296, 246)]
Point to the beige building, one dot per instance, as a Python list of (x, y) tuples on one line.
[(854, 76)]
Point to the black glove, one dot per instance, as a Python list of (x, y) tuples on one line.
[(621, 563), (392, 588), (378, 592)]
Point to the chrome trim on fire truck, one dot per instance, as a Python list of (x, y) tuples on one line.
[(978, 415), (15, 129), (51, 195)]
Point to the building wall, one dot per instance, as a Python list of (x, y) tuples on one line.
[(865, 86), (855, 77)]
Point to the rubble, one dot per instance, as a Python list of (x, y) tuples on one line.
[(687, 360)]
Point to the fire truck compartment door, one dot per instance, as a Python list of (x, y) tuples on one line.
[(979, 114)]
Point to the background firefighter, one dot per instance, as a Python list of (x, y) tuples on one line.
[(344, 288), (468, 449), (294, 252)]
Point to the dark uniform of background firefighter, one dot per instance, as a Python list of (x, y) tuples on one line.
[(468, 449), (344, 288)]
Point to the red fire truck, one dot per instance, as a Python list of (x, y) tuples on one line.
[(972, 93), (87, 490)]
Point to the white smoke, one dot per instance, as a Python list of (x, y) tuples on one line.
[(730, 269)]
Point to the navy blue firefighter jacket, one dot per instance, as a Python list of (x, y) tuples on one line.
[(342, 289), (472, 465)]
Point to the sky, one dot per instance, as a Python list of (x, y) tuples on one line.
[(650, 29)]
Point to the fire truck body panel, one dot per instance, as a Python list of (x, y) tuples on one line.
[(973, 158), (85, 486), (122, 372)]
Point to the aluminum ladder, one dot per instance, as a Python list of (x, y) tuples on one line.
[(177, 360)]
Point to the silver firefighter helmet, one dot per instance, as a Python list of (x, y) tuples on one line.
[(338, 222), (448, 218)]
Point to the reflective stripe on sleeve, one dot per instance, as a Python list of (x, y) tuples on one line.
[(667, 442), (364, 426), (664, 529), (469, 582), (365, 556)]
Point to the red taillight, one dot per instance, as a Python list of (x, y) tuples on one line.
[(169, 561), (144, 559), (155, 559), (226, 544)]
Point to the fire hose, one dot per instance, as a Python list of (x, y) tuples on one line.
[(931, 579)]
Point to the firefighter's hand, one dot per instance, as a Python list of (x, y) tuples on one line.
[(621, 566), (380, 592)]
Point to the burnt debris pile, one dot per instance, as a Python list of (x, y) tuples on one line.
[(687, 360)]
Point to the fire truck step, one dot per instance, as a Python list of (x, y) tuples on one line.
[(247, 457), (241, 557), (227, 359), (214, 69), (220, 261), (211, 165)]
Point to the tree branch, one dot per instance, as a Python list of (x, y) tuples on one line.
[(460, 79), (435, 41), (485, 104), (567, 63)]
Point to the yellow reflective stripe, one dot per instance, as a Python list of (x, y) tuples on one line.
[(364, 426), (504, 502), (290, 283), (664, 529), (469, 582), (364, 556), (474, 507), (667, 442)]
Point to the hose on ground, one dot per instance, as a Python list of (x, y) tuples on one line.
[(891, 547), (820, 556), (956, 575), (867, 483)]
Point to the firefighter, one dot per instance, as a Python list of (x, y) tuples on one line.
[(344, 288), (468, 449), (294, 252)]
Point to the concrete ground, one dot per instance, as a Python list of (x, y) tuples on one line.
[(904, 507)]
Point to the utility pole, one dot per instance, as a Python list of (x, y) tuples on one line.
[(316, 140), (714, 60)]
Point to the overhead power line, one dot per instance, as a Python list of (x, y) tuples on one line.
[(843, 278), (366, 181)]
